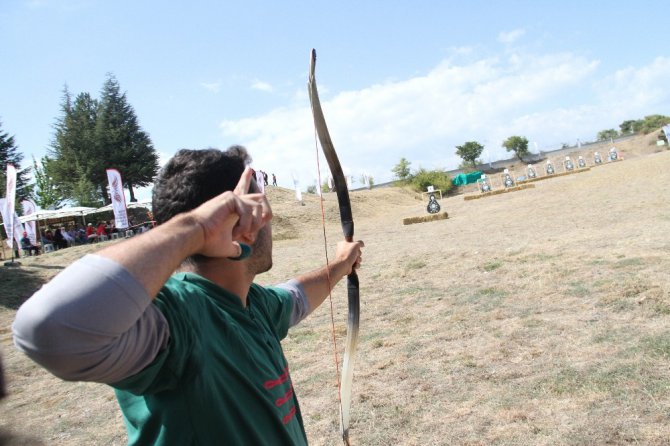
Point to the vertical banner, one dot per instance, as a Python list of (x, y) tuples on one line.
[(118, 198), (666, 130), (12, 223), (29, 208), (296, 185), (5, 219), (8, 214), (18, 230)]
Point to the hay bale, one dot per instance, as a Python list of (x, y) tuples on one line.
[(499, 191), (425, 218), (554, 175)]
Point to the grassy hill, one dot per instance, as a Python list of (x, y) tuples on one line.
[(538, 317)]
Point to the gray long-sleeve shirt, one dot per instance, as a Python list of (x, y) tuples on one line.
[(95, 322)]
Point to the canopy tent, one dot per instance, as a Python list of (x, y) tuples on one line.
[(466, 178), (58, 213), (78, 211), (135, 204)]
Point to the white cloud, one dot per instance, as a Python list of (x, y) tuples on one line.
[(637, 87), (214, 87), (261, 86), (550, 99), (509, 37)]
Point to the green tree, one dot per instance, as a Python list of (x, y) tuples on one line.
[(73, 149), (9, 154), (120, 138), (95, 135), (401, 170), (518, 145), (469, 152), (47, 192), (629, 126), (607, 134), (653, 122), (423, 178), (84, 192)]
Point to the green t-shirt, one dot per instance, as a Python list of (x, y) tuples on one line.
[(223, 379)]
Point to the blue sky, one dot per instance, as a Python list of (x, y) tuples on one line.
[(396, 78)]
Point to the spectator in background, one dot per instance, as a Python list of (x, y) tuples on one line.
[(81, 235), (59, 239), (91, 236), (72, 234), (274, 180), (101, 231), (27, 245), (68, 236), (47, 237)]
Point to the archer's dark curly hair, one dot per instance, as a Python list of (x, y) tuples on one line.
[(192, 177)]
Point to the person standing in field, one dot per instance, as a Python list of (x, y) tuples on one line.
[(195, 357)]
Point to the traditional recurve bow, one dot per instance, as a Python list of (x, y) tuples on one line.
[(348, 229)]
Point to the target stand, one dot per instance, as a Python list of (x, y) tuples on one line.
[(433, 209)]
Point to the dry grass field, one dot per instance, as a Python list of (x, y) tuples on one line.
[(540, 317)]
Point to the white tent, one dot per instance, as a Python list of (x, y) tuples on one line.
[(136, 204), (78, 211), (43, 214)]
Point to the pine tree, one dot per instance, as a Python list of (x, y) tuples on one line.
[(73, 150), (9, 154), (121, 140), (95, 135), (47, 193)]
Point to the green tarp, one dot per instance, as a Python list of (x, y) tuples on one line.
[(466, 178)]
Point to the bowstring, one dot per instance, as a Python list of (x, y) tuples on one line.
[(330, 285)]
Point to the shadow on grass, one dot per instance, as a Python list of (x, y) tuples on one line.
[(17, 284), (11, 439)]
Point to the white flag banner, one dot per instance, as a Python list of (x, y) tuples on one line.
[(296, 184), (318, 186), (260, 181), (118, 198), (9, 204), (11, 223), (18, 230), (29, 208), (666, 129)]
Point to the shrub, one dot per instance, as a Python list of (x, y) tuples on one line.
[(423, 178)]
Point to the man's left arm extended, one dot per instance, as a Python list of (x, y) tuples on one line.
[(317, 284)]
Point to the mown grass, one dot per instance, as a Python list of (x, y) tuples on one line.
[(549, 329)]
